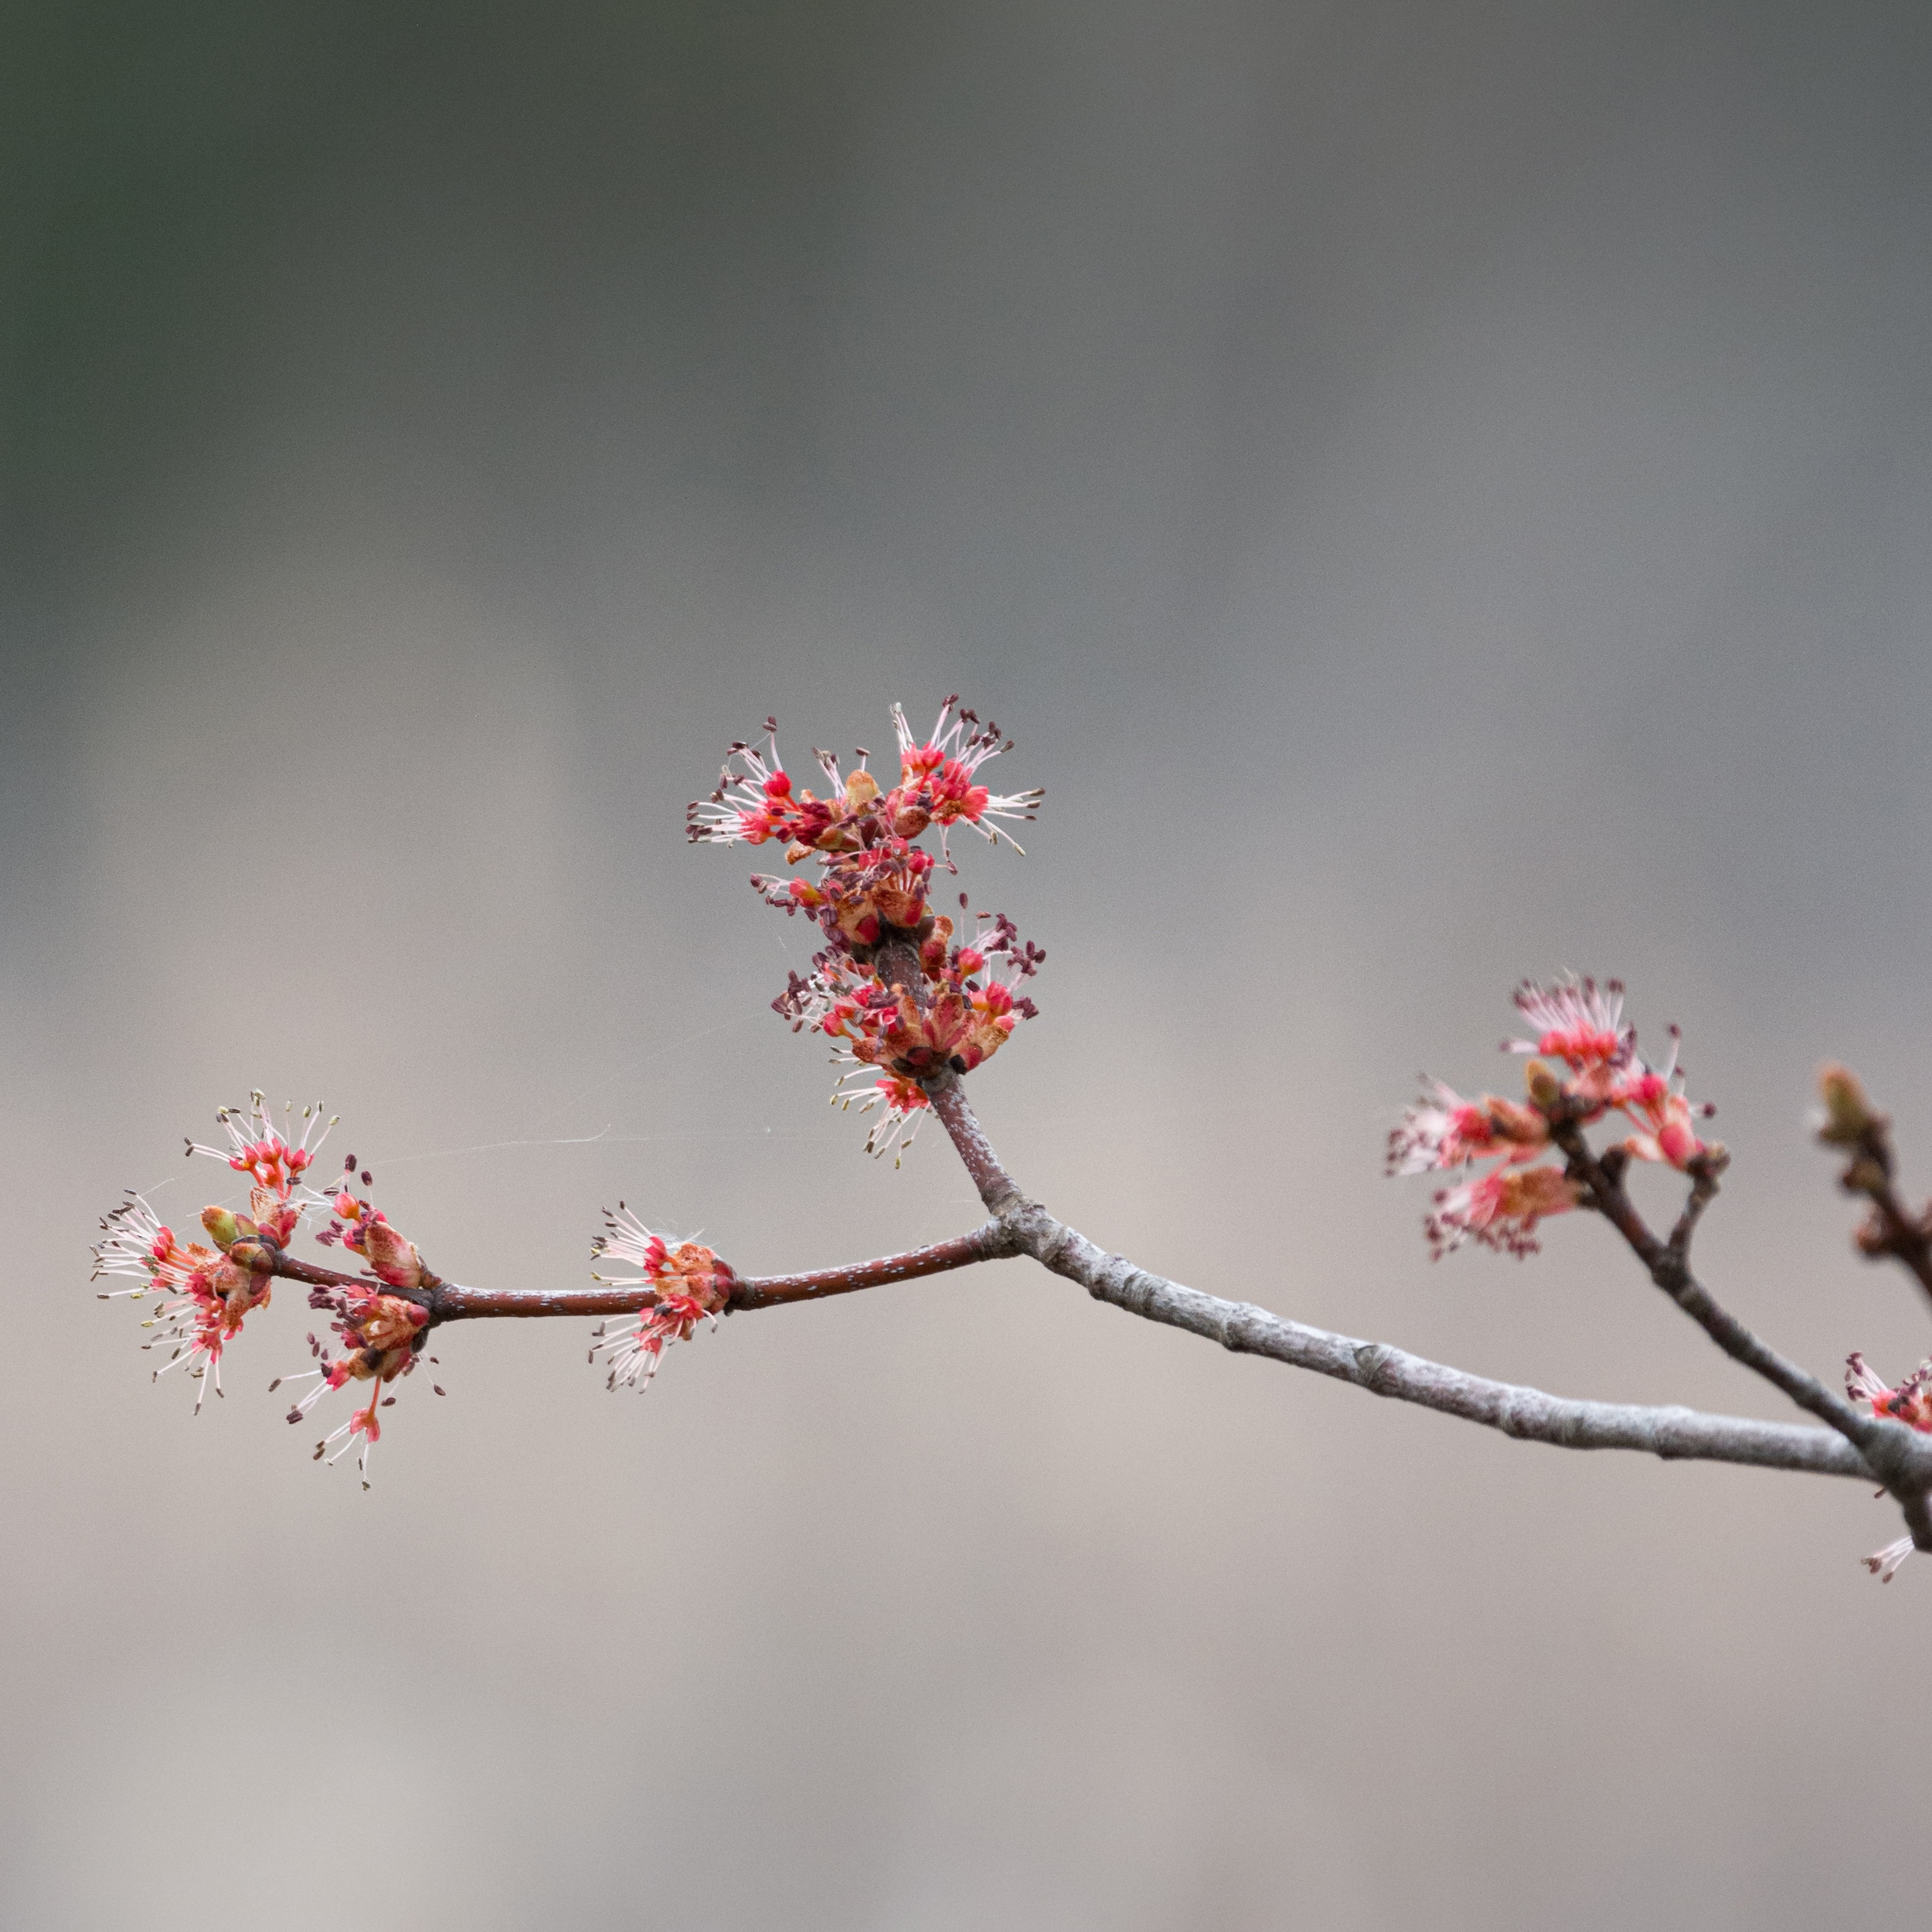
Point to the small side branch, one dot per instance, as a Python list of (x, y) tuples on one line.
[(996, 1187), (1668, 1263), (449, 1302), (1854, 1125), (991, 1241)]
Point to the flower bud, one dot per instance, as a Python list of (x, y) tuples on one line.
[(1545, 1089), (391, 1323), (224, 1229), (861, 789), (394, 1260), (1863, 1176), (1848, 1113)]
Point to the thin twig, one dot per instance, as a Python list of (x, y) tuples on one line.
[(1852, 1123), (991, 1241), (451, 1301), (1668, 1266)]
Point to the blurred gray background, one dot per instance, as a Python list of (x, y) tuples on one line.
[(1439, 493)]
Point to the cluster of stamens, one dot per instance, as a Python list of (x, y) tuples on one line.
[(684, 1283), (381, 1333), (906, 1000), (207, 1293), (1578, 1025)]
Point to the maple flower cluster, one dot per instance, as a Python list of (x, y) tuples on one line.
[(379, 1319), (381, 1333), (207, 1293), (906, 999), (1910, 1402), (1578, 1024), (686, 1284)]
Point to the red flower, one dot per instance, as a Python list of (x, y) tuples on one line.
[(205, 1296), (271, 1159), (687, 1283), (1580, 1025)]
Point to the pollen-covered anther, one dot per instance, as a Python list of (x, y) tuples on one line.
[(1545, 1089), (1885, 1563)]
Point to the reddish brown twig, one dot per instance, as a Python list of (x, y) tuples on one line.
[(991, 1241), (451, 1301)]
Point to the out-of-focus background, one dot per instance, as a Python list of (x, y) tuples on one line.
[(1439, 493)]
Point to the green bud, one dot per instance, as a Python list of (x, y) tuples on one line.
[(1848, 1113)]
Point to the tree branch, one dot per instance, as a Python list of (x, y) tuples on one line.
[(998, 1189), (991, 1241), (449, 1302), (1853, 1125), (1894, 1456), (1668, 1264), (1528, 1414)]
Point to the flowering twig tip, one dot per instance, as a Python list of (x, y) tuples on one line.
[(901, 998), (1579, 1029)]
